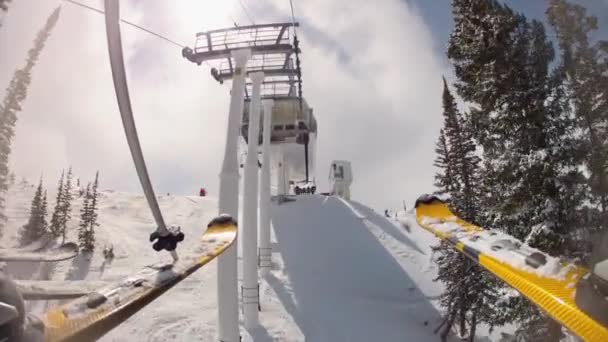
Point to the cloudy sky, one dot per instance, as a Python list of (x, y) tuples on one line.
[(371, 69)]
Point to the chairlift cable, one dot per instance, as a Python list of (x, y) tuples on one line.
[(246, 12), (293, 17), (131, 24), (128, 23)]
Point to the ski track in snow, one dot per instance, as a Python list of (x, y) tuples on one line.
[(340, 271)]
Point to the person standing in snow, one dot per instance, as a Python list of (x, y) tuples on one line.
[(108, 252)]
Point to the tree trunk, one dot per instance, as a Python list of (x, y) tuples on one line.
[(554, 331), (443, 322), (473, 327), (448, 327), (463, 321)]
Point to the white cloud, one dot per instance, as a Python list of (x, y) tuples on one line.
[(380, 107), (381, 110)]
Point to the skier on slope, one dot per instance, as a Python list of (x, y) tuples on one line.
[(15, 324), (108, 252)]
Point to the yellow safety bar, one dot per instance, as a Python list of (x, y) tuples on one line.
[(555, 296)]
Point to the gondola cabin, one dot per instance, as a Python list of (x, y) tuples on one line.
[(289, 123)]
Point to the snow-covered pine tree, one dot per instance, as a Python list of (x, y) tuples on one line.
[(457, 158), (44, 211), (88, 217), (93, 212), (36, 225), (66, 205), (470, 294), (502, 64), (55, 226), (443, 178), (584, 63), (13, 101), (464, 163), (85, 218), (482, 49)]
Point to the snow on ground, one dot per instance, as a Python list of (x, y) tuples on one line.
[(346, 285), (341, 272), (410, 247)]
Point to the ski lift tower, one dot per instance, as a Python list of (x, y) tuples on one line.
[(270, 45), (275, 52), (259, 52)]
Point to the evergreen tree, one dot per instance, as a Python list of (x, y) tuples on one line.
[(584, 65), (88, 217), (485, 47), (83, 226), (471, 294), (66, 205), (36, 226), (44, 211), (55, 226), (444, 180), (502, 61), (94, 199), (458, 177), (13, 101), (463, 163)]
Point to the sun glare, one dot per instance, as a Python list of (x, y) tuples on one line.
[(197, 15)]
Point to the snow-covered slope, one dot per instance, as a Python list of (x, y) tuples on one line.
[(341, 272), (345, 284)]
